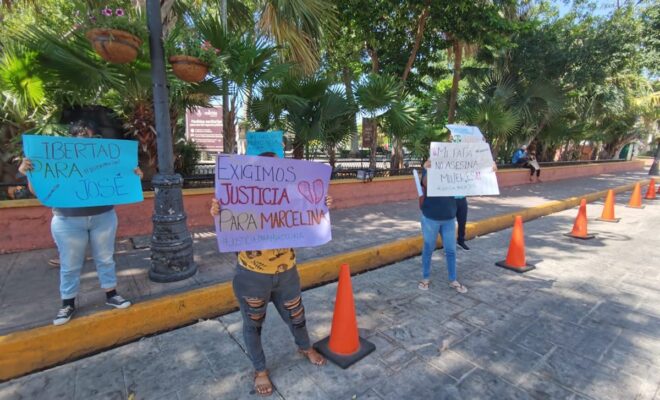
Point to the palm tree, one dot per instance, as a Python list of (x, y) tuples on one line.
[(297, 27), (310, 108), (383, 98), (251, 64)]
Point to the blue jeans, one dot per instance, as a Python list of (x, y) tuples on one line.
[(72, 234), (430, 229)]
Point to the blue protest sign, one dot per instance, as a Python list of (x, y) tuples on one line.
[(465, 134), (261, 142), (82, 172)]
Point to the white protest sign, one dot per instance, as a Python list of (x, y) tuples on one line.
[(418, 183), (465, 134), (461, 169)]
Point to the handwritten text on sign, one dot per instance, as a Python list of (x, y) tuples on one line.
[(83, 172), (461, 169), (271, 203)]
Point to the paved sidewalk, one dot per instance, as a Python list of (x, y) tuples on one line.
[(584, 325), (29, 287)]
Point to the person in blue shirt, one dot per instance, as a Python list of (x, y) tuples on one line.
[(438, 216), (524, 159)]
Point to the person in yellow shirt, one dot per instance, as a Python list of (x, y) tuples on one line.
[(263, 276)]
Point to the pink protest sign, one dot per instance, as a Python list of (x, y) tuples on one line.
[(271, 203)]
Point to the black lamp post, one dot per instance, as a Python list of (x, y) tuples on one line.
[(171, 243)]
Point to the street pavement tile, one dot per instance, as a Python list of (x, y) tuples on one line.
[(344, 383), (368, 395), (451, 363), (569, 304), (233, 384), (636, 354), (416, 334), (98, 378), (383, 344), (481, 384), (293, 382), (133, 358), (502, 358), (544, 389), (168, 372), (614, 314), (202, 336), (53, 384), (506, 325), (546, 331), (418, 381), (593, 379), (398, 358), (464, 302)]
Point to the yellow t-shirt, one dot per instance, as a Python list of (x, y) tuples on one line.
[(268, 261)]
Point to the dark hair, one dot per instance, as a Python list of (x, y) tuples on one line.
[(268, 154), (80, 128)]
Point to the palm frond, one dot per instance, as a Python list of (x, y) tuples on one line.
[(378, 92)]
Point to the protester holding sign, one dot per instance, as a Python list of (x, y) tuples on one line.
[(438, 216), (265, 274), (73, 228), (464, 134)]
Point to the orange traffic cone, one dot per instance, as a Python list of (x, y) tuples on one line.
[(608, 210), (636, 198), (650, 192), (344, 346), (580, 226), (515, 258)]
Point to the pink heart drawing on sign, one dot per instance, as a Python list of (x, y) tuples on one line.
[(306, 191), (318, 191)]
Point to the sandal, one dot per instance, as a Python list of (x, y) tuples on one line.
[(313, 356), (459, 287), (262, 384), (424, 284)]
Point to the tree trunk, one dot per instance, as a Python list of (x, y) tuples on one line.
[(458, 55), (375, 63), (298, 148), (396, 162), (374, 146), (350, 98), (418, 40), (332, 156)]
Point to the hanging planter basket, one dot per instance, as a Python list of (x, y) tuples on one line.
[(189, 69), (115, 46)]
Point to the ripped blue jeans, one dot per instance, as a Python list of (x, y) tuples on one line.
[(254, 291)]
